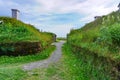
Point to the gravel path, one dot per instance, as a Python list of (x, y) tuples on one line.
[(44, 63)]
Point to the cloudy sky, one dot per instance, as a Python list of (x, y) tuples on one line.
[(58, 16)]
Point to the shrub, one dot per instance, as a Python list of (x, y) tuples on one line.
[(109, 35), (115, 34), (104, 38)]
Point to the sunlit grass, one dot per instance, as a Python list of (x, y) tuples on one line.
[(13, 30)]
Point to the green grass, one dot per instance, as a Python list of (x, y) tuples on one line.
[(101, 36), (61, 38), (12, 74), (13, 30), (10, 67), (29, 58), (80, 67), (70, 67)]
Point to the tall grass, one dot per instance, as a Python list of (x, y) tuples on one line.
[(101, 36), (81, 67)]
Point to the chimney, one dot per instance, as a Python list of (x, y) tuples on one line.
[(96, 17), (15, 13), (119, 7)]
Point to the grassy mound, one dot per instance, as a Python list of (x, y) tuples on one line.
[(13, 31), (10, 67), (101, 37)]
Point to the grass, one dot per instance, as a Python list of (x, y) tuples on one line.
[(10, 67), (61, 38), (100, 42), (12, 74), (101, 36), (83, 68), (29, 58), (13, 30), (70, 67)]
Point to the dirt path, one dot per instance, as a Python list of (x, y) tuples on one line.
[(44, 63)]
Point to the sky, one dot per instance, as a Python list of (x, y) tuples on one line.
[(58, 16)]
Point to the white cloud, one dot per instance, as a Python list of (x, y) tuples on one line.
[(60, 30), (87, 8), (56, 5), (90, 8), (93, 8)]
